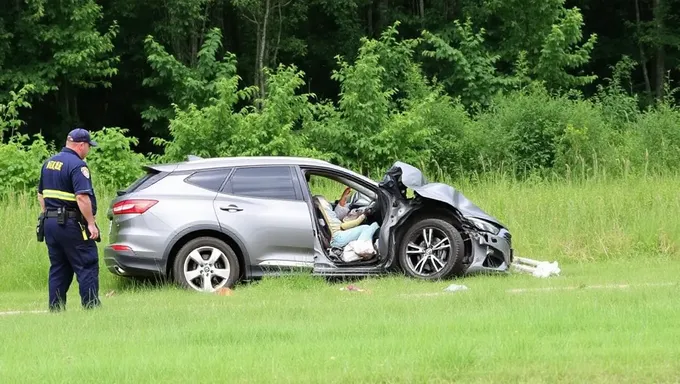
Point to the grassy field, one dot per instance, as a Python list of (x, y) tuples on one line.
[(610, 317), (302, 330)]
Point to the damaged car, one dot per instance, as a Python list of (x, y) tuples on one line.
[(210, 223)]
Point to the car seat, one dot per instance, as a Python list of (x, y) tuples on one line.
[(321, 223)]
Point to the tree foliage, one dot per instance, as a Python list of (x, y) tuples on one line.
[(458, 86)]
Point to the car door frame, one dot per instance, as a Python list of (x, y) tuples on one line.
[(333, 171)]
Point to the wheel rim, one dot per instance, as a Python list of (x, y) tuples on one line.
[(206, 269), (428, 251)]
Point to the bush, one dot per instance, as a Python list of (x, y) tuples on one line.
[(534, 131), (114, 163), (218, 130), (654, 143), (20, 163)]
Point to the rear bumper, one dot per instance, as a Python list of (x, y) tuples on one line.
[(126, 263)]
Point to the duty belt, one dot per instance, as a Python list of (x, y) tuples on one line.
[(69, 213)]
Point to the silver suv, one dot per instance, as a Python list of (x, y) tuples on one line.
[(209, 223)]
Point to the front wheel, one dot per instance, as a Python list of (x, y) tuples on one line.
[(432, 249), (206, 264)]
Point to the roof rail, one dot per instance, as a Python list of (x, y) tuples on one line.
[(193, 158)]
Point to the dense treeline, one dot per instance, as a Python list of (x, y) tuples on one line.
[(458, 86)]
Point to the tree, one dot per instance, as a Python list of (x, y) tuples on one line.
[(56, 46)]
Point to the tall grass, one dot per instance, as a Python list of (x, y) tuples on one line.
[(576, 221)]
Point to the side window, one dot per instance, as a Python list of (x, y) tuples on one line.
[(209, 179), (263, 182)]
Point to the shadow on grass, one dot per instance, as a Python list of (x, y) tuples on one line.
[(289, 280)]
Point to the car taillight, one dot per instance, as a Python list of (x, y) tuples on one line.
[(126, 207), (117, 247)]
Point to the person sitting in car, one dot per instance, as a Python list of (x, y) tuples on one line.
[(347, 230), (343, 211), (341, 208)]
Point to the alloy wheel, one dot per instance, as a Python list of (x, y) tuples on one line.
[(206, 269), (428, 251)]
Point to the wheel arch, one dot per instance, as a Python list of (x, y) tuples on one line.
[(189, 234), (431, 209)]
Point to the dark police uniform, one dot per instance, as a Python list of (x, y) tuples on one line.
[(62, 177)]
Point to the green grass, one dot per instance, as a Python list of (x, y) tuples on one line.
[(302, 329)]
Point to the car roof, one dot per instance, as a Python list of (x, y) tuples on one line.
[(197, 163)]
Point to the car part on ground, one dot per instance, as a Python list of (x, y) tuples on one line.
[(536, 268)]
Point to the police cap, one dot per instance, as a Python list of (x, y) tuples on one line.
[(80, 135)]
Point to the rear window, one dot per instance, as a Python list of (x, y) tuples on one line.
[(151, 177)]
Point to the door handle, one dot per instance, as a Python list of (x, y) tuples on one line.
[(231, 208)]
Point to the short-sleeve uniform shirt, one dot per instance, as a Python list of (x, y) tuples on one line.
[(63, 176)]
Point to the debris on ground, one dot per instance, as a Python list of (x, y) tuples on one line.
[(21, 312), (455, 288), (224, 292), (537, 268), (110, 293), (352, 287)]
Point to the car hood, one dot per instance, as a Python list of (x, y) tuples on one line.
[(413, 178)]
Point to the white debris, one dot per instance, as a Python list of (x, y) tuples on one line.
[(455, 288), (537, 268), (20, 312), (356, 250)]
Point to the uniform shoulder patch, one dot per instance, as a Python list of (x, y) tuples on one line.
[(85, 171)]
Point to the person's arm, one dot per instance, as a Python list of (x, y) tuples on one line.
[(41, 199), (340, 209), (85, 206), (82, 186), (353, 223)]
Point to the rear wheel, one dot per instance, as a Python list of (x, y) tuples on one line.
[(206, 264), (432, 249)]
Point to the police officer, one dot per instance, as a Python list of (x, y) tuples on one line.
[(69, 207)]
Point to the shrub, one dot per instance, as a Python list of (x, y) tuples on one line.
[(114, 163), (20, 163), (535, 131)]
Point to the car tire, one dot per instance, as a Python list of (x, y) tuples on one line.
[(414, 248), (190, 273)]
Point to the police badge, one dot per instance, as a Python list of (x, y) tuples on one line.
[(85, 171)]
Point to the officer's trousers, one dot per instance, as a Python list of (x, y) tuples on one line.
[(70, 253)]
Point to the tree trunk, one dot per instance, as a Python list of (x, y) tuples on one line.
[(369, 18), (263, 47), (450, 10), (660, 71), (383, 6), (643, 57), (660, 51), (421, 8), (66, 101), (256, 73), (278, 38)]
